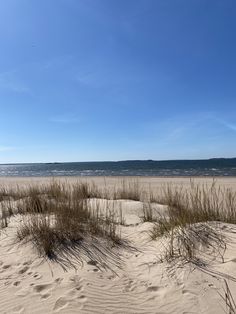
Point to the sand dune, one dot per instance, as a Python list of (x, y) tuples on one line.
[(127, 279)]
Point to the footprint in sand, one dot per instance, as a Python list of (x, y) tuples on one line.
[(37, 276), (93, 263), (23, 270), (156, 292), (152, 289), (79, 288), (46, 296), (72, 296), (82, 298), (41, 288), (129, 286), (77, 282), (111, 277), (60, 304), (6, 266), (188, 292), (58, 280), (16, 283)]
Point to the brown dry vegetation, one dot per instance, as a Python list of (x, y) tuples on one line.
[(191, 222), (129, 190), (228, 299), (58, 219), (59, 215)]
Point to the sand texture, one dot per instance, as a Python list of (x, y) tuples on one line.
[(130, 279)]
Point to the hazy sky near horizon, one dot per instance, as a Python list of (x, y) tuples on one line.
[(84, 80)]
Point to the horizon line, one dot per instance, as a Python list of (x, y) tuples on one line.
[(116, 161)]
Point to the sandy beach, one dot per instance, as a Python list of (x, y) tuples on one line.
[(145, 182), (117, 157), (128, 279)]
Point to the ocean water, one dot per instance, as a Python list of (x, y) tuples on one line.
[(210, 167)]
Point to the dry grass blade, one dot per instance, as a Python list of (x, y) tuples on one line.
[(228, 299), (190, 223), (58, 217), (129, 190), (148, 213)]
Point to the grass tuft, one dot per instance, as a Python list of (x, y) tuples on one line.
[(190, 223), (59, 216)]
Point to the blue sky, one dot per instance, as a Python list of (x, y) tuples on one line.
[(84, 80)]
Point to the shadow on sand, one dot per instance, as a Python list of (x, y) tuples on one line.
[(100, 252)]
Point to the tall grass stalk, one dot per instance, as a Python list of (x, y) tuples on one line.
[(58, 216), (228, 299), (130, 190), (190, 223)]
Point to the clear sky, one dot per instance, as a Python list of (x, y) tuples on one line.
[(84, 80)]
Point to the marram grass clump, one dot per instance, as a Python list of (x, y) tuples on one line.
[(191, 222), (58, 216)]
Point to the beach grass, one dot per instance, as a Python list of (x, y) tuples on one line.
[(69, 222), (60, 213), (192, 219), (128, 190), (229, 299)]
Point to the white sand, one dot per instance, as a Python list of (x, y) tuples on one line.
[(135, 280)]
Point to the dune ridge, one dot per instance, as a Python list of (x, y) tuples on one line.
[(135, 280)]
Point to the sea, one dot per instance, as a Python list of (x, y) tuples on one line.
[(168, 168)]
